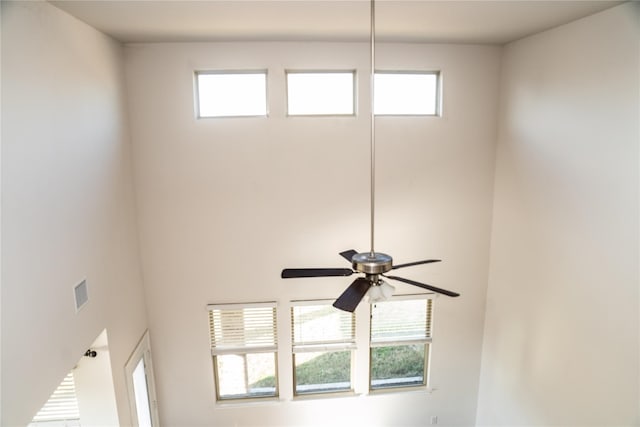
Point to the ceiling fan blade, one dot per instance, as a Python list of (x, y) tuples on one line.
[(352, 296), (424, 286), (291, 273), (348, 254), (409, 264)]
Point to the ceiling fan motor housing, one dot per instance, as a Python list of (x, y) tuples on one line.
[(372, 262)]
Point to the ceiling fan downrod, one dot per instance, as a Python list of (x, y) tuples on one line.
[(373, 123), (372, 263)]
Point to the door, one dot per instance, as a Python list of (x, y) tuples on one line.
[(140, 383)]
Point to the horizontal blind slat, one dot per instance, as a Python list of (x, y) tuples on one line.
[(62, 405), (242, 326), (321, 324), (405, 320)]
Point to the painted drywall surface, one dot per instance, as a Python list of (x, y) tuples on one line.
[(67, 206), (561, 340), (225, 204), (93, 379)]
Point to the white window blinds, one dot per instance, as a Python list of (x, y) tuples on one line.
[(237, 328), (62, 405), (401, 321), (320, 324)]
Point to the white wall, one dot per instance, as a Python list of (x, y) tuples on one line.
[(93, 379), (224, 204), (67, 206), (561, 337)]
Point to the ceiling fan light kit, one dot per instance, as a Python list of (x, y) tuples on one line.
[(373, 264)]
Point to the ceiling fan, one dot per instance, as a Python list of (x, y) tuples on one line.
[(373, 264)]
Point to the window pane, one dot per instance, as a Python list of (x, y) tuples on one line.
[(322, 372), (328, 93), (232, 94), (141, 392), (238, 327), (406, 93), (398, 366), (315, 324), (246, 375), (401, 320)]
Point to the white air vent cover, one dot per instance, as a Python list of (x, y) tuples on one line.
[(81, 293)]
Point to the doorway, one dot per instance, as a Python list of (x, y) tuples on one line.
[(141, 385)]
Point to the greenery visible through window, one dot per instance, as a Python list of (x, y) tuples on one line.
[(323, 340), (400, 343), (323, 344), (244, 350)]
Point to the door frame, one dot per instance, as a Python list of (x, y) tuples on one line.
[(142, 352)]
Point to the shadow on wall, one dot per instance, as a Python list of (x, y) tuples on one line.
[(86, 395)]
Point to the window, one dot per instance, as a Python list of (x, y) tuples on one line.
[(231, 94), (323, 340), (406, 93), (62, 406), (320, 93), (243, 346), (400, 342)]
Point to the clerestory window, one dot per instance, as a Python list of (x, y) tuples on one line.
[(231, 94), (326, 93), (407, 93)]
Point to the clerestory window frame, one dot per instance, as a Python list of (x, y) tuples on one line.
[(320, 90), (224, 98), (428, 96)]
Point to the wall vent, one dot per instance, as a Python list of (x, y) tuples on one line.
[(81, 293)]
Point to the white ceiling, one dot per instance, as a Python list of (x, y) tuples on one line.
[(474, 21)]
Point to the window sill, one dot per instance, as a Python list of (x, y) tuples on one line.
[(266, 401), (328, 395), (395, 390)]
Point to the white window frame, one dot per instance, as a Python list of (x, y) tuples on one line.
[(426, 341), (438, 93), (223, 348), (322, 345), (198, 95), (352, 113)]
